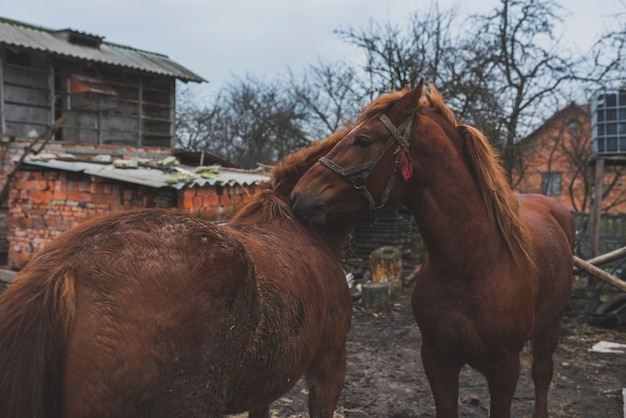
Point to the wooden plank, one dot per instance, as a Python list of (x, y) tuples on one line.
[(599, 273), (608, 257), (596, 208)]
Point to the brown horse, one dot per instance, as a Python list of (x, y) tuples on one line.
[(499, 268), (156, 314)]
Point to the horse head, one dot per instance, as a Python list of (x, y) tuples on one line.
[(361, 170)]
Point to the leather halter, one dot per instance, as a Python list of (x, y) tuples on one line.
[(358, 175)]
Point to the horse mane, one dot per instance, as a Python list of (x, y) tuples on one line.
[(381, 105), (499, 198), (271, 200)]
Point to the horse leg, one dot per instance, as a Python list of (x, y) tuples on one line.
[(443, 377), (502, 375), (543, 346), (325, 378), (260, 413)]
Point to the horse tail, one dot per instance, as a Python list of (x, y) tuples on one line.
[(36, 315)]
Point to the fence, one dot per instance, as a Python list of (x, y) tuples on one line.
[(612, 233)]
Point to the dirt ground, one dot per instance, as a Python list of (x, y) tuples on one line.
[(385, 377)]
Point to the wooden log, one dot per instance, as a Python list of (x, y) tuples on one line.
[(386, 267), (375, 297), (599, 273), (605, 258)]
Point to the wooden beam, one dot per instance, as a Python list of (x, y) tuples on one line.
[(599, 273), (596, 208), (605, 258)]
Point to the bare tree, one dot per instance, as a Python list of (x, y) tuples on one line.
[(395, 58), (197, 124), (330, 95), (502, 72), (527, 65), (609, 54), (250, 122)]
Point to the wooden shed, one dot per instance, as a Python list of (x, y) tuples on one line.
[(114, 100), (109, 93)]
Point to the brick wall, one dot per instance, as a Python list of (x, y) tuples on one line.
[(562, 147), (212, 203), (44, 203)]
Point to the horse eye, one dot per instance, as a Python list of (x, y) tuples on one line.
[(362, 142)]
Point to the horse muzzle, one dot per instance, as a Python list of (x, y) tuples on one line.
[(308, 208)]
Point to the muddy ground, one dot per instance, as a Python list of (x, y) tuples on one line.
[(385, 377)]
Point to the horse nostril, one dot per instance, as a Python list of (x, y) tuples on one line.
[(293, 200)]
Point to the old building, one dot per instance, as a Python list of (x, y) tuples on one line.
[(115, 107), (50, 195), (557, 160), (110, 94)]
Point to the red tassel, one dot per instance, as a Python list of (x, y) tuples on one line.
[(406, 168)]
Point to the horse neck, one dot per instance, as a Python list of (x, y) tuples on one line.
[(335, 234), (450, 213)]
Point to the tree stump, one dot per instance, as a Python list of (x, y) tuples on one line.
[(375, 297), (386, 267)]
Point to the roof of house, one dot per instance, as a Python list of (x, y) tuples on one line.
[(556, 116), (151, 175), (18, 34)]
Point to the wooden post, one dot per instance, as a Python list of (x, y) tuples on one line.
[(386, 267), (596, 209), (375, 297)]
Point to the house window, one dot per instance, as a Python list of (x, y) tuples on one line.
[(551, 184), (573, 126)]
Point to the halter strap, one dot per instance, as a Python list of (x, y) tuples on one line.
[(359, 174)]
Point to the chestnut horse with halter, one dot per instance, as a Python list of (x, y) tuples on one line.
[(499, 266), (156, 314)]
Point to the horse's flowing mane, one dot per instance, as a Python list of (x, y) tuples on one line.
[(380, 105), (499, 198), (271, 199)]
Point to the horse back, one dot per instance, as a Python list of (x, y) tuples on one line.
[(164, 305)]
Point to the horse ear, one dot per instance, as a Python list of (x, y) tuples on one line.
[(417, 93), (410, 101)]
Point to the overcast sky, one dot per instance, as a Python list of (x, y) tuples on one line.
[(219, 39)]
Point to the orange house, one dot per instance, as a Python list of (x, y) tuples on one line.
[(556, 160)]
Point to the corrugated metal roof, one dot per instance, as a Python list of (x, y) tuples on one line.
[(37, 38), (153, 177)]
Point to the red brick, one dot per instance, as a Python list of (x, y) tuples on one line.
[(225, 200), (46, 197), (188, 202), (73, 195), (211, 201), (85, 197), (236, 199), (35, 196), (128, 194), (207, 191), (59, 194)]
